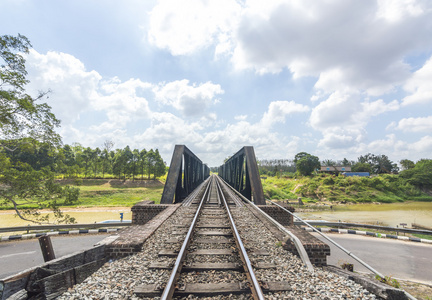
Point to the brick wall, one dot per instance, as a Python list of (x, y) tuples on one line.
[(277, 213), (146, 218), (315, 248), (54, 277), (144, 211)]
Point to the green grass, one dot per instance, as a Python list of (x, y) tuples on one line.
[(118, 193), (102, 192), (278, 188), (118, 197), (423, 236), (384, 189)]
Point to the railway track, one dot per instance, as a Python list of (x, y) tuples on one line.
[(213, 247), (212, 244)]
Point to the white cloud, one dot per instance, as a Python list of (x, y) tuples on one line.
[(121, 102), (184, 27), (422, 148), (278, 110), (73, 87), (76, 91), (397, 149), (240, 117), (345, 44), (378, 107), (190, 100), (342, 118), (341, 45), (390, 146), (167, 129), (419, 85), (397, 10), (415, 124), (214, 145), (337, 111)]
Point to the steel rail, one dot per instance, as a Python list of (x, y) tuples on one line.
[(236, 199), (255, 286), (297, 243), (188, 200), (338, 246), (175, 273)]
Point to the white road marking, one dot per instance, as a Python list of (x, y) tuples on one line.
[(15, 254)]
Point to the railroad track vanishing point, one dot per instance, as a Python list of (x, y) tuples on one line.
[(213, 247)]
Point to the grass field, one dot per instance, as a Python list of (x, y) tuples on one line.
[(334, 189), (110, 193), (100, 192)]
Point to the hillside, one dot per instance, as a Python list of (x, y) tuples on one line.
[(340, 189)]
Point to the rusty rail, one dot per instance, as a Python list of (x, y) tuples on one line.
[(255, 286), (170, 287)]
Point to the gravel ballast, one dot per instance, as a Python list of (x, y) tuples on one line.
[(117, 279)]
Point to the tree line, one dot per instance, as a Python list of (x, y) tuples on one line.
[(72, 161), (306, 164)]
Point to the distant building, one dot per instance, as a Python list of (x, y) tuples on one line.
[(361, 174), (335, 169)]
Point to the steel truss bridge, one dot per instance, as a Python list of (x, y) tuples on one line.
[(187, 172)]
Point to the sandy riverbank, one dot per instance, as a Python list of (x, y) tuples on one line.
[(8, 218)]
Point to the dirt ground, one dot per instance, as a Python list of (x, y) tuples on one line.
[(418, 290), (117, 182)]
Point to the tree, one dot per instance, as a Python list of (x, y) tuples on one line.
[(27, 124), (135, 162), (128, 161), (346, 162), (142, 161), (306, 163), (407, 164), (420, 175), (21, 115), (87, 159), (108, 145), (119, 163), (361, 167), (151, 160), (96, 159), (160, 167), (379, 163)]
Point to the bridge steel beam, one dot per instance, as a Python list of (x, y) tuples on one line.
[(186, 172), (241, 172)]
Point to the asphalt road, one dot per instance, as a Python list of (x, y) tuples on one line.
[(396, 258), (17, 256)]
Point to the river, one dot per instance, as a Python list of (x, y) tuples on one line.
[(384, 214), (390, 214), (8, 218)]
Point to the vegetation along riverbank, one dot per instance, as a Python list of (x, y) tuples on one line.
[(386, 188)]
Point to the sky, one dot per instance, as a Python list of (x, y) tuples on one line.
[(334, 78)]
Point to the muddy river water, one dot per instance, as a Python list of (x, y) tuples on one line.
[(8, 218), (384, 214)]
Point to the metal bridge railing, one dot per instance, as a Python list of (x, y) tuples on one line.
[(63, 226), (338, 246)]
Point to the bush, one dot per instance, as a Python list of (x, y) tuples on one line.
[(328, 180)]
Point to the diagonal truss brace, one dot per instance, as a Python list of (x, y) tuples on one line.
[(186, 172), (241, 172)]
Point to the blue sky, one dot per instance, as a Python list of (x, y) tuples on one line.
[(333, 78)]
